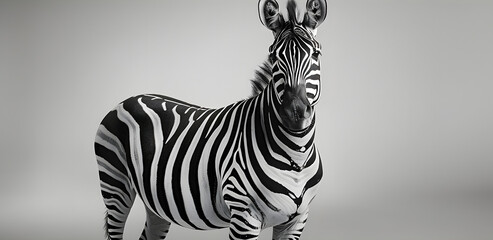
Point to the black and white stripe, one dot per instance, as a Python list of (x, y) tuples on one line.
[(298, 64)]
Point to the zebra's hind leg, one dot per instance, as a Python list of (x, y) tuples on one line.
[(116, 186), (155, 227), (118, 207), (118, 196), (118, 203)]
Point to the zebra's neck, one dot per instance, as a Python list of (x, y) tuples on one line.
[(293, 148)]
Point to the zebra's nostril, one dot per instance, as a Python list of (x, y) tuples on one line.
[(299, 112), (295, 112)]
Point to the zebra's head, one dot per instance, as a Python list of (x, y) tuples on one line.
[(294, 57)]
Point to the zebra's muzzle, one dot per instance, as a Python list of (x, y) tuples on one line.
[(296, 112)]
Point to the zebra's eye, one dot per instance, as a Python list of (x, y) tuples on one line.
[(315, 55), (272, 57)]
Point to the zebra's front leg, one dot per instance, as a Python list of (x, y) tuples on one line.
[(291, 230), (155, 227), (244, 225)]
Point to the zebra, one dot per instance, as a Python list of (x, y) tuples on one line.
[(247, 166)]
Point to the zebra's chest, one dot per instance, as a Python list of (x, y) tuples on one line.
[(274, 195), (290, 203)]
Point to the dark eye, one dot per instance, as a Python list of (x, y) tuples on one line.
[(315, 55), (272, 57)]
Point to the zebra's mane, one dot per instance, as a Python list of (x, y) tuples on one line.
[(262, 77)]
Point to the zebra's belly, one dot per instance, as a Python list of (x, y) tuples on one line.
[(192, 212)]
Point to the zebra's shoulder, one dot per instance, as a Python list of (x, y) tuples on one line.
[(262, 77)]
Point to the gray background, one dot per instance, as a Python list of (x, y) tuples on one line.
[(404, 122)]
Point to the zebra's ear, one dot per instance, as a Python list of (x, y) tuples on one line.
[(268, 11), (316, 11)]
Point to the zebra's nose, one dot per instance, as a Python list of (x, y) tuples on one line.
[(296, 112)]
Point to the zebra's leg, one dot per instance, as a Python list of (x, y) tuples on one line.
[(291, 230), (155, 227), (116, 186), (118, 196), (244, 225), (118, 204)]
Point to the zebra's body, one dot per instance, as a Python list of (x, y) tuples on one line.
[(165, 137), (240, 166)]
